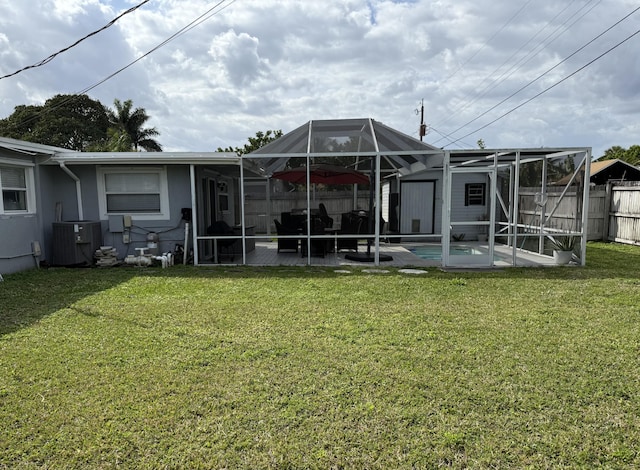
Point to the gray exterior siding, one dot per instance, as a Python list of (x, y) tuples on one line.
[(62, 189), (170, 232), (19, 231)]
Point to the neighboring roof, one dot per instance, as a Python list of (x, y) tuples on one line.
[(613, 170)]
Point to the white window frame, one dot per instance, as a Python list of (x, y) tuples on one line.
[(161, 171), (474, 191), (30, 189)]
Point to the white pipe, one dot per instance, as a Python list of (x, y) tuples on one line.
[(162, 259), (186, 243), (138, 260), (194, 219), (78, 189), (23, 255)]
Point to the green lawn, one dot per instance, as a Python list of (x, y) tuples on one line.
[(308, 368)]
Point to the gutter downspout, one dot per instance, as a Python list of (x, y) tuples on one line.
[(78, 188)]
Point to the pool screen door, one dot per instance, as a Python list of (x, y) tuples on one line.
[(468, 237)]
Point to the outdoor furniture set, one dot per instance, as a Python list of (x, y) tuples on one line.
[(295, 224)]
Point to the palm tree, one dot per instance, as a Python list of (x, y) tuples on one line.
[(124, 120)]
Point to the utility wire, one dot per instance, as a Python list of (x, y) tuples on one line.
[(550, 87), (485, 44), (199, 20), (55, 54), (450, 138), (549, 70), (460, 67), (527, 58)]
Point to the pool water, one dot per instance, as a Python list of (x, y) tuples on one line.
[(434, 253)]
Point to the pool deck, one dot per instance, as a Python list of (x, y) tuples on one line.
[(266, 254)]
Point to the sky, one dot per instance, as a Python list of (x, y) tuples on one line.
[(513, 73)]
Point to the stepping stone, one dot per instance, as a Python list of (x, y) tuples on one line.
[(342, 271), (413, 271), (375, 271)]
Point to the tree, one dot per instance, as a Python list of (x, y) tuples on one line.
[(74, 122), (615, 152), (260, 140), (124, 120), (630, 155), (633, 155), (117, 141)]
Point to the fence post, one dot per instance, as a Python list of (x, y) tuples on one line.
[(607, 211)]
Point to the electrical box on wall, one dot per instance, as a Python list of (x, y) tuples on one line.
[(116, 224), (127, 221)]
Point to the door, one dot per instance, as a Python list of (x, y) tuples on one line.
[(416, 206)]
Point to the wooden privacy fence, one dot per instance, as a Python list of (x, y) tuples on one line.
[(621, 222), (614, 211), (260, 212)]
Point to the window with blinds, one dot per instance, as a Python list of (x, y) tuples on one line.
[(474, 194), (138, 191), (13, 182)]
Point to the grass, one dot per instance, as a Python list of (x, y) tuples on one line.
[(308, 368)]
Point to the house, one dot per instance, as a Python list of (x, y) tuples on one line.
[(60, 205), (613, 170), (57, 205)]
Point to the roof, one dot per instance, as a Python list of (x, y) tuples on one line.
[(29, 148), (59, 155), (364, 138), (145, 158), (612, 170), (329, 137)]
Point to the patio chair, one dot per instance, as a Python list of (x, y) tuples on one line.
[(324, 216), (221, 228), (350, 224), (286, 244), (318, 246)]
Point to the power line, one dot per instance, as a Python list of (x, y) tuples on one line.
[(55, 54), (481, 47), (450, 138), (527, 58), (550, 87), (485, 44), (199, 20), (548, 71)]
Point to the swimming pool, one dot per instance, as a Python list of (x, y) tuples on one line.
[(434, 252)]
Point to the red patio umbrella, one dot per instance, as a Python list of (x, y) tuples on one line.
[(321, 173)]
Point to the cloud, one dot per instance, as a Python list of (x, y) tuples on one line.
[(237, 55), (273, 64)]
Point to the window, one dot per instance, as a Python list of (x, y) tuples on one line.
[(17, 187), (474, 194), (138, 191)]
